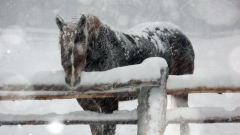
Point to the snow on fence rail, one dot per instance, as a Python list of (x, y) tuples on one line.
[(173, 116), (124, 83), (111, 83), (47, 92), (203, 115), (56, 88), (79, 117)]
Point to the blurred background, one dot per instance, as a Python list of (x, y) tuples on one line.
[(198, 16), (29, 44)]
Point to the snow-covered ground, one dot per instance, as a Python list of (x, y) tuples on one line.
[(23, 54)]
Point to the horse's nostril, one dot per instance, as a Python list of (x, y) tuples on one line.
[(77, 81), (67, 80)]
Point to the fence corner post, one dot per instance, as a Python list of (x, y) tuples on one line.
[(152, 105)]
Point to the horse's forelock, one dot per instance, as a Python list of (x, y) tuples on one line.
[(92, 24), (71, 28)]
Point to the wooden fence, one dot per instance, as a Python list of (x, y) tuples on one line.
[(122, 117), (147, 92)]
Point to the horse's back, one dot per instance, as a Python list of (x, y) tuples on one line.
[(164, 40)]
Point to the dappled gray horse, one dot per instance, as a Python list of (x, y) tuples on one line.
[(87, 44)]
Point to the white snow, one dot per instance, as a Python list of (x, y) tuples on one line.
[(213, 81), (234, 59), (11, 78), (148, 70), (176, 114), (216, 58), (157, 105), (220, 12), (77, 115), (198, 114), (141, 30)]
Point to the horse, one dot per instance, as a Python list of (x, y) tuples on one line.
[(87, 44)]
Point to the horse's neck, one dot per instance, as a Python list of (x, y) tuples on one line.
[(102, 50), (103, 42), (113, 49)]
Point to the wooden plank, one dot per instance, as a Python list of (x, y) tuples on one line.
[(203, 90), (60, 96), (68, 122), (235, 119), (81, 88), (120, 117), (202, 115), (122, 91), (124, 95), (121, 121), (115, 86), (181, 101), (81, 117)]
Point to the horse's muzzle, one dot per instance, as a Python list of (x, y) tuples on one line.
[(73, 82)]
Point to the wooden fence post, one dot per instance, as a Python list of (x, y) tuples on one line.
[(181, 101), (152, 105)]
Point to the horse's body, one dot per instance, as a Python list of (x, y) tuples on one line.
[(114, 48), (105, 48)]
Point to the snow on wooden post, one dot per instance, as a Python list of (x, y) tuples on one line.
[(179, 86), (152, 108), (181, 101)]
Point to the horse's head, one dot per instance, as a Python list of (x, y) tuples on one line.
[(73, 40)]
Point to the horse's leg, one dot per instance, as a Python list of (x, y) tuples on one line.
[(108, 105), (91, 105), (180, 100), (101, 106)]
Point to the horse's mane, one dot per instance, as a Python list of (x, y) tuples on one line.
[(92, 23)]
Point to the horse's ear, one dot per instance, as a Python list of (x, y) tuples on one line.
[(60, 21), (82, 21)]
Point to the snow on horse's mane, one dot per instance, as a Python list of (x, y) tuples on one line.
[(92, 22)]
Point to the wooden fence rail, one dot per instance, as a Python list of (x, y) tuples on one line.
[(46, 92), (147, 93), (204, 115), (151, 91), (126, 91)]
